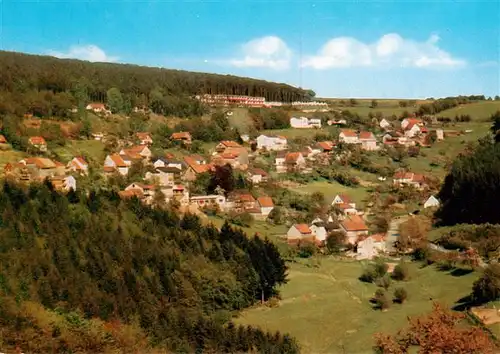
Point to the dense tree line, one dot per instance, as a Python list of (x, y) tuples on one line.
[(446, 103), (102, 257), (47, 86)]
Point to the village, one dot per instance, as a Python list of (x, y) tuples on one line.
[(263, 162)]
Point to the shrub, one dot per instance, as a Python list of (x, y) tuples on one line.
[(384, 282), (380, 268), (400, 295), (368, 275), (381, 299), (401, 271), (374, 271), (307, 250)]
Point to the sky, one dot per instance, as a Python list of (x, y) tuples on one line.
[(364, 49)]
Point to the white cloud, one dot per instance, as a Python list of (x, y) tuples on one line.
[(390, 50), (85, 52), (266, 52)]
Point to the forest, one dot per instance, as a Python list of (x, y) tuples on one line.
[(92, 273), (46, 86)]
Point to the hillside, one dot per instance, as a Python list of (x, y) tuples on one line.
[(47, 86), (479, 111)]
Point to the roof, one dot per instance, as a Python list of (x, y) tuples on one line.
[(81, 160), (181, 135), (197, 168), (2, 139), (349, 133), (143, 135), (257, 171), (303, 228), (403, 175), (354, 223), (37, 140), (412, 122), (58, 164), (325, 145), (246, 197), (230, 143), (118, 160), (168, 169), (137, 148), (40, 162), (345, 198), (131, 193), (142, 185), (96, 105), (292, 157), (364, 135), (265, 202), (378, 237)]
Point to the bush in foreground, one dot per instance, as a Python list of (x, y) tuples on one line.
[(400, 295)]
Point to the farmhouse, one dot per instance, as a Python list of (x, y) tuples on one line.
[(368, 247), (184, 137), (402, 178), (431, 202), (294, 161), (348, 136), (196, 165), (78, 165), (384, 124), (305, 123), (345, 204), (354, 226), (168, 162), (209, 201), (147, 191), (413, 127), (300, 232), (137, 152), (271, 143), (266, 205), (257, 175), (144, 138), (63, 183), (241, 202), (165, 176), (324, 146), (226, 144), (368, 141), (115, 163), (38, 142)]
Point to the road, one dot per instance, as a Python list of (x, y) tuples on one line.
[(393, 232)]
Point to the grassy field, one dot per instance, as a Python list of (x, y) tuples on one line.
[(9, 156), (328, 310), (292, 133), (90, 148), (480, 111), (330, 190)]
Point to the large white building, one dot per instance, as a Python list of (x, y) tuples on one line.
[(305, 123), (271, 143)]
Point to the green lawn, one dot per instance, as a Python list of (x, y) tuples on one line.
[(328, 310), (292, 133), (10, 156), (91, 149), (330, 190), (480, 111)]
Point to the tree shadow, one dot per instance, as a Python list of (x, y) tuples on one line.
[(467, 302), (459, 272)]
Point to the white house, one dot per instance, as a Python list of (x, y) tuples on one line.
[(299, 232), (114, 163), (271, 143), (385, 124), (348, 136), (279, 162), (168, 162), (345, 204), (320, 231), (266, 205), (432, 202), (440, 134), (354, 226), (370, 246), (165, 176), (256, 175), (315, 122), (96, 107), (79, 165), (212, 200), (304, 122), (64, 183), (368, 141)]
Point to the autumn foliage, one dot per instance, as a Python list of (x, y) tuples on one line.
[(441, 331)]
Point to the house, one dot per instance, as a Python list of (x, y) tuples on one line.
[(413, 127), (257, 175), (225, 144), (38, 142), (128, 194), (266, 205), (78, 165), (440, 134), (209, 201), (385, 124), (344, 199), (177, 192), (98, 136), (241, 202), (164, 176), (368, 141), (168, 162), (407, 123), (324, 146), (354, 226), (279, 162), (144, 138), (348, 136), (2, 139), (184, 137), (305, 123), (195, 165), (147, 191), (318, 228), (236, 157), (431, 202), (294, 161), (41, 168), (402, 178), (300, 233), (115, 163), (368, 247), (336, 122), (63, 183), (136, 153), (271, 143), (97, 107)]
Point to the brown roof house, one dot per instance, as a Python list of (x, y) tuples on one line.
[(184, 137), (115, 163), (195, 165), (257, 175), (38, 142), (144, 138), (300, 233), (78, 165), (368, 141), (403, 178), (354, 226)]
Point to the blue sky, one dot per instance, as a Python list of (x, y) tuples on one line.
[(338, 48)]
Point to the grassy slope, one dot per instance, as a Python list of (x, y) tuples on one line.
[(91, 148), (330, 190), (480, 111), (327, 308)]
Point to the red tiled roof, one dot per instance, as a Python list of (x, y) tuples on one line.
[(143, 135), (37, 140), (2, 139), (109, 169), (326, 145), (345, 198), (40, 162), (265, 202), (354, 223), (118, 160), (81, 160), (246, 197), (366, 135), (349, 133), (230, 143), (303, 228), (412, 122), (258, 171), (131, 193), (197, 168), (58, 164), (292, 157), (403, 175), (181, 135), (97, 105)]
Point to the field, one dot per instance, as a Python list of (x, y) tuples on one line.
[(480, 111), (91, 149), (328, 310), (330, 190)]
